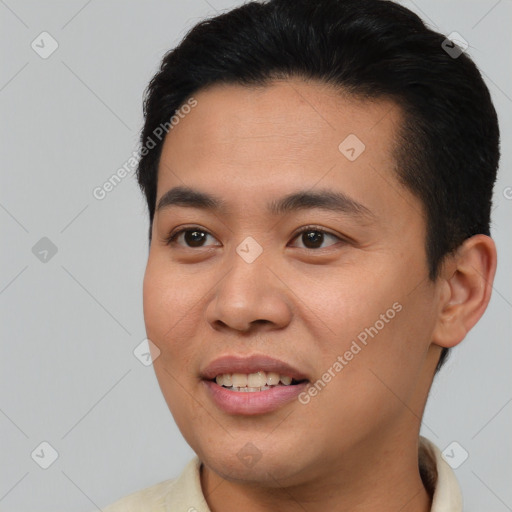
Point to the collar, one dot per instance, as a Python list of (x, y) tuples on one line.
[(438, 478)]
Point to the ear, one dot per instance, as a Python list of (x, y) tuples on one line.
[(465, 289)]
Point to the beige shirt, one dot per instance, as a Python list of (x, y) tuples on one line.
[(184, 494)]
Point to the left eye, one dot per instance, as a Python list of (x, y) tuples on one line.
[(312, 238)]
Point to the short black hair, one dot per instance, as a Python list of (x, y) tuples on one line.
[(447, 150)]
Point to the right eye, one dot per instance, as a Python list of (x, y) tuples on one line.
[(193, 236)]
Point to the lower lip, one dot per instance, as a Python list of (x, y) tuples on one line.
[(254, 402)]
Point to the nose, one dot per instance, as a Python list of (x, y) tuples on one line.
[(250, 296)]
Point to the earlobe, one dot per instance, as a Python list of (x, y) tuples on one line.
[(465, 289)]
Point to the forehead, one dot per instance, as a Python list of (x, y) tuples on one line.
[(290, 109), (245, 142)]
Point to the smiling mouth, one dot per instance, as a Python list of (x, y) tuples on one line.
[(254, 382)]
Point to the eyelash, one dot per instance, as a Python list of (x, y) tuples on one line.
[(174, 235)]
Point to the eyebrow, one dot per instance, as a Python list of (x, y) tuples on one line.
[(323, 199)]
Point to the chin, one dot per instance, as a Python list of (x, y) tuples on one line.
[(250, 465)]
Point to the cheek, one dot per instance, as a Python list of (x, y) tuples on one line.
[(167, 295), (155, 304), (372, 317), (341, 303), (169, 323), (168, 312), (383, 357)]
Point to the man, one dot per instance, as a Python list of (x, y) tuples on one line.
[(319, 239)]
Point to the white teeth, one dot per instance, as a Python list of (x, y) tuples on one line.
[(239, 380), (286, 380), (256, 380), (272, 379), (252, 382), (249, 390)]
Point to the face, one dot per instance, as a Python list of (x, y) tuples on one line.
[(332, 287)]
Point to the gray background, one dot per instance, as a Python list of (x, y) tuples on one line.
[(69, 325)]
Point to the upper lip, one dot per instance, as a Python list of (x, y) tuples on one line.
[(250, 364)]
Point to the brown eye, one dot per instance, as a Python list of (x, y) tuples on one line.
[(313, 238), (192, 237)]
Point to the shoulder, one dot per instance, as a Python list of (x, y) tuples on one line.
[(153, 497), (159, 497)]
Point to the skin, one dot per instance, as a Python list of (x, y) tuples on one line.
[(354, 446)]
